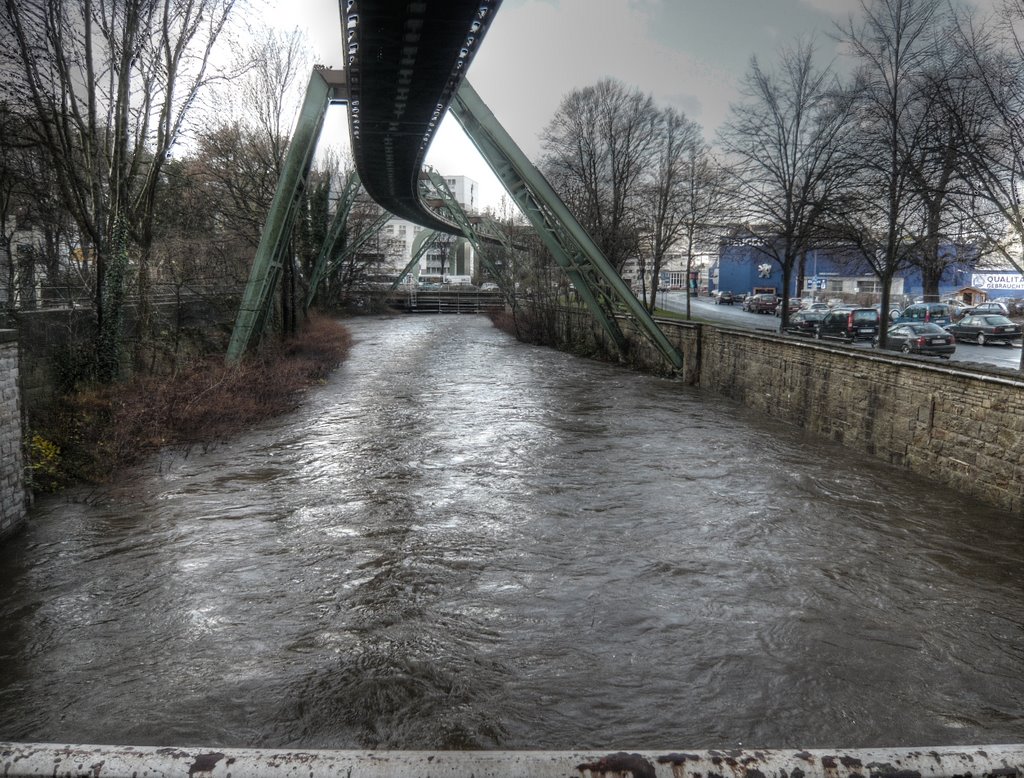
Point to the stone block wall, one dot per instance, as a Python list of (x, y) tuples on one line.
[(13, 506), (963, 428), (959, 427)]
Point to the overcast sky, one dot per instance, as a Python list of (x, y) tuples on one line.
[(688, 53)]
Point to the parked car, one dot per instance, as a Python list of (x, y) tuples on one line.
[(793, 304), (761, 303), (1015, 305), (992, 306), (919, 338), (849, 324), (957, 309), (805, 322), (815, 306), (488, 286), (985, 328), (936, 313), (894, 311), (725, 297)]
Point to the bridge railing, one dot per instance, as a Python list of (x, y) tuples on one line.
[(25, 760)]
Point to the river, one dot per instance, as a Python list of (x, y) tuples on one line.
[(462, 541)]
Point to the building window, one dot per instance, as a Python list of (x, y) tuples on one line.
[(835, 285), (870, 286)]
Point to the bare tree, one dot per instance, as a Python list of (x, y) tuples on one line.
[(705, 203), (993, 135), (14, 172), (664, 198), (881, 214), (936, 147), (786, 139), (597, 150), (108, 86)]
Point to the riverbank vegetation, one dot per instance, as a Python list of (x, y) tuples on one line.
[(93, 432)]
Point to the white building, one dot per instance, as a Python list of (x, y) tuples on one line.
[(446, 257), (673, 273)]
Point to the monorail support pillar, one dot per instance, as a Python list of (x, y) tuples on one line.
[(258, 298), (597, 281)]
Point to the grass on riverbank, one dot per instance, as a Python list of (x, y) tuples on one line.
[(91, 434)]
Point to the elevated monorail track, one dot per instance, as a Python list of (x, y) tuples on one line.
[(405, 62)]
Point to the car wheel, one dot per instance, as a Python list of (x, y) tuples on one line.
[(905, 348), (817, 334), (981, 339)]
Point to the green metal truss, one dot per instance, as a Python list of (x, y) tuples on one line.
[(343, 207), (420, 245), (258, 298), (459, 217), (357, 242), (594, 277)]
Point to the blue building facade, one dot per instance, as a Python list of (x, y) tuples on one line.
[(744, 268)]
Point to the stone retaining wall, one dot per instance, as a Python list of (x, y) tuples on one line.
[(960, 427), (13, 506)]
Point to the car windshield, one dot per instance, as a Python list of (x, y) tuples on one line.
[(866, 317), (928, 329), (1000, 321)]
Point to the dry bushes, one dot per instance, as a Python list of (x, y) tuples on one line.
[(101, 429)]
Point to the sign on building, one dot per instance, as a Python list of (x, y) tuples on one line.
[(994, 281)]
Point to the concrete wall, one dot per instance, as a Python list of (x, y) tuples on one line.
[(13, 507), (963, 428)]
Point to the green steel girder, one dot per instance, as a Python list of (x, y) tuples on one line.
[(420, 245), (592, 274), (358, 241), (343, 207), (258, 298), (458, 215), (487, 229)]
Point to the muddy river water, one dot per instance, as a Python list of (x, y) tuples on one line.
[(461, 541)]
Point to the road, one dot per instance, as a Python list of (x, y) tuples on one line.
[(733, 315)]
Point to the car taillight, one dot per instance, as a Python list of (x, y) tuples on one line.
[(849, 322), (922, 341)]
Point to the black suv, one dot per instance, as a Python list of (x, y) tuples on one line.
[(725, 297), (849, 324)]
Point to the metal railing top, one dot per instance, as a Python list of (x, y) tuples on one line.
[(18, 760)]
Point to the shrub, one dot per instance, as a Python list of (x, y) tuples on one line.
[(103, 428)]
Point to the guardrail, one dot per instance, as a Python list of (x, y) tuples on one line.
[(446, 301), (22, 760)]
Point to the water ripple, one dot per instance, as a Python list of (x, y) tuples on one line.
[(464, 542)]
